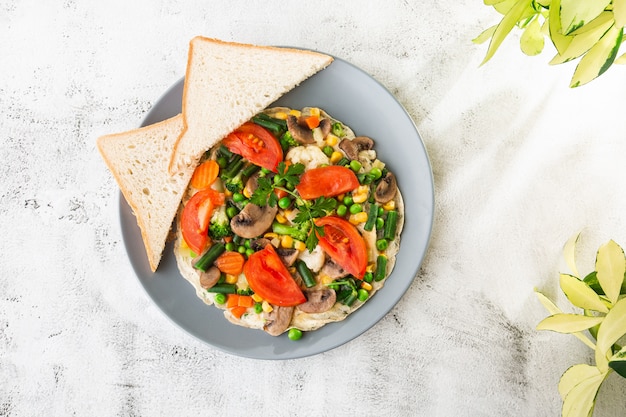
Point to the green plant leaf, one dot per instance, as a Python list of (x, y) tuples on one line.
[(612, 328), (504, 6), (574, 375), (531, 41), (584, 41), (618, 362), (492, 2), (569, 253), (568, 323), (553, 309), (522, 9), (619, 10), (621, 60), (577, 13), (610, 268), (598, 59), (581, 295), (485, 35), (601, 20), (560, 41), (581, 399)]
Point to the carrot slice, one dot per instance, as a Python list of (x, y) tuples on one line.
[(245, 301), (232, 301), (230, 262), (238, 311), (205, 174), (312, 122)]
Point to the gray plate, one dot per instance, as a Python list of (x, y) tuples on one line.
[(352, 96)]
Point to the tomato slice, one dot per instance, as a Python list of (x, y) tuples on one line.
[(269, 279), (327, 181), (256, 144), (196, 217), (344, 244)]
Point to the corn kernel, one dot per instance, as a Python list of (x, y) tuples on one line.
[(331, 140), (286, 242), (227, 193), (390, 205), (366, 286), (359, 198), (246, 192), (370, 268), (231, 279), (335, 157), (281, 115), (267, 307), (280, 218), (300, 246), (183, 244), (295, 112), (270, 235), (314, 111), (257, 298), (326, 280), (358, 218)]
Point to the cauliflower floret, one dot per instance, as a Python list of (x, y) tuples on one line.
[(310, 156), (314, 260)]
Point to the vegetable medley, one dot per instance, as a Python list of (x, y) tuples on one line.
[(290, 222)]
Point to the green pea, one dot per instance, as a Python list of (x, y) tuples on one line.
[(341, 210), (356, 208), (241, 249), (375, 173), (249, 252), (284, 203), (382, 244), (247, 243), (231, 212), (258, 308), (380, 223), (220, 298), (355, 165), (294, 334), (328, 150), (238, 197), (381, 211), (363, 295), (347, 200), (230, 246), (368, 277), (278, 181)]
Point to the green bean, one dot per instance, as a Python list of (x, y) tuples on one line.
[(205, 262), (305, 273), (371, 217), (223, 289), (391, 225), (381, 268)]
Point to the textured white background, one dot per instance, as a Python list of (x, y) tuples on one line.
[(520, 162)]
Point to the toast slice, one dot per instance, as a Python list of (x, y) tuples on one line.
[(139, 160), (227, 83)]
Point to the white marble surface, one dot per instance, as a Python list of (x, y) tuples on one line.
[(520, 162)]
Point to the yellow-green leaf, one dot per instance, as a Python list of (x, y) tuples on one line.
[(619, 10), (560, 41), (531, 41), (568, 323), (601, 20), (485, 35), (553, 309), (574, 376), (520, 10), (504, 6), (610, 268), (581, 399), (581, 295), (598, 59), (621, 60), (569, 253), (492, 2), (618, 362), (577, 13), (612, 328)]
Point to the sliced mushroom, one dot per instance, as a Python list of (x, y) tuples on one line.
[(386, 189), (318, 301), (325, 126), (209, 278), (260, 243), (300, 133), (253, 183), (356, 145), (288, 255), (332, 270), (278, 320), (253, 220)]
